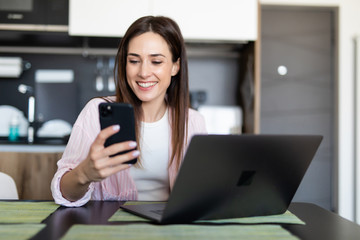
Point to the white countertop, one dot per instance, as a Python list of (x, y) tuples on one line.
[(31, 148)]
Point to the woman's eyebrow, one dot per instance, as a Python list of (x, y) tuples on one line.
[(157, 55), (151, 55), (133, 54)]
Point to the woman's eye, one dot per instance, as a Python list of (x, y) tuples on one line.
[(133, 61), (157, 62)]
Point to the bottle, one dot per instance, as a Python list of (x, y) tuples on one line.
[(14, 129)]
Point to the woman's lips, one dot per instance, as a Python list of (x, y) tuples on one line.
[(146, 85)]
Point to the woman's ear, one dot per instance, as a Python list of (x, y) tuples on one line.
[(175, 67)]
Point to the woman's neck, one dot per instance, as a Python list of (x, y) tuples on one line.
[(153, 112)]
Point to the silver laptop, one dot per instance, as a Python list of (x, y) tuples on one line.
[(232, 176)]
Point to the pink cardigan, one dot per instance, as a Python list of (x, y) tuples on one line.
[(119, 186)]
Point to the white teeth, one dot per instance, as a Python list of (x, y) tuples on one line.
[(146, 84)]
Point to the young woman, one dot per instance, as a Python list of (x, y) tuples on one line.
[(152, 75)]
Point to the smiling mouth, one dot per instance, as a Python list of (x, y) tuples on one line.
[(146, 84)]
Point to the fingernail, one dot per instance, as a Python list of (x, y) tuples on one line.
[(136, 153), (132, 144), (116, 127)]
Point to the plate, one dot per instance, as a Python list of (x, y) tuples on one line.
[(54, 128)]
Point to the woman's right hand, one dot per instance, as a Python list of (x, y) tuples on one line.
[(99, 165)]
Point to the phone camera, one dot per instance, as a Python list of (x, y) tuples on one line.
[(106, 111)]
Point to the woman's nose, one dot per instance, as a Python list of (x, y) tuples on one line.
[(145, 70)]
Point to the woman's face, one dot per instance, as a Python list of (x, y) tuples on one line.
[(149, 67)]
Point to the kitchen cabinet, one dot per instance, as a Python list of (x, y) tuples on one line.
[(106, 18), (32, 172), (301, 99), (227, 20)]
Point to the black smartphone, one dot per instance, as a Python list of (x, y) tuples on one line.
[(123, 115)]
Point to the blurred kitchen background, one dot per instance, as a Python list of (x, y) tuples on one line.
[(269, 67), (63, 82), (62, 68)]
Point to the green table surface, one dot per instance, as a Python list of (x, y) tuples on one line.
[(287, 217), (188, 232), (19, 231), (25, 212)]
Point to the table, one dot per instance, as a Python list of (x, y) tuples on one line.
[(320, 223)]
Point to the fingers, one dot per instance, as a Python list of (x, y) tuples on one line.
[(98, 145), (114, 169), (103, 161), (119, 147), (97, 170), (122, 158), (105, 134), (118, 159)]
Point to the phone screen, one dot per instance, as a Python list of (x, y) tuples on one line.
[(123, 115)]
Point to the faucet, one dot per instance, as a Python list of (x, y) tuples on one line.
[(25, 89)]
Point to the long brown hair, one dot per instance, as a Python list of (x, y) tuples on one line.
[(178, 92)]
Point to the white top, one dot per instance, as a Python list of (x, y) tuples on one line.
[(152, 181)]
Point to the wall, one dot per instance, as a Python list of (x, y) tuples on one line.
[(349, 18)]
